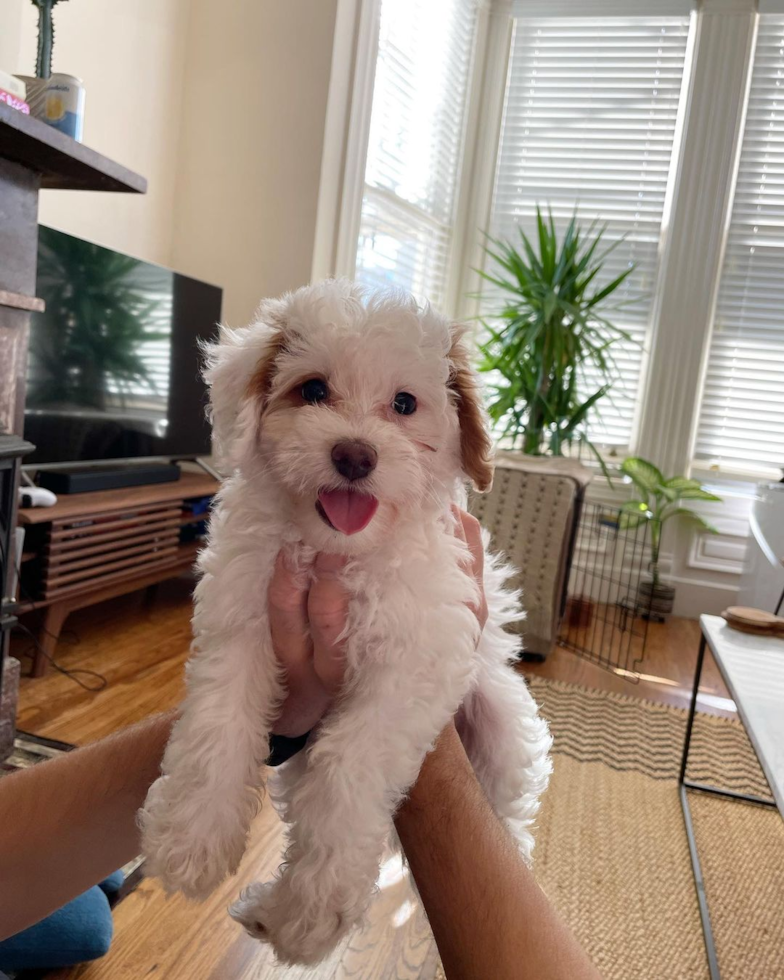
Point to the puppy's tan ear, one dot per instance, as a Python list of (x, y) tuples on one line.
[(238, 370), (260, 382), (476, 447)]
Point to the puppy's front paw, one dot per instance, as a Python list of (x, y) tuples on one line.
[(299, 933), (191, 845)]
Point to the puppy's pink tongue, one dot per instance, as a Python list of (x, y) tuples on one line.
[(347, 510)]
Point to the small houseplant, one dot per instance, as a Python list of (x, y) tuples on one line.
[(658, 501), (550, 336), (36, 84), (43, 61)]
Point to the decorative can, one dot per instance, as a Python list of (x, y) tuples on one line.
[(64, 104)]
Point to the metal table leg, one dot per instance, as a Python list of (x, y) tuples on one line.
[(699, 884), (684, 785)]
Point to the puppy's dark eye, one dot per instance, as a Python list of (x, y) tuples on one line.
[(315, 390), (404, 403)]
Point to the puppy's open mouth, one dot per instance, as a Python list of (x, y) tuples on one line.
[(346, 511)]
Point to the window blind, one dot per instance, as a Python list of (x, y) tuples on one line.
[(741, 420), (589, 125), (425, 51)]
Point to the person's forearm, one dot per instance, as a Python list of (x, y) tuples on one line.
[(67, 824), (488, 915)]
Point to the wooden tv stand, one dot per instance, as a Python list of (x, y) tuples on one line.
[(90, 547)]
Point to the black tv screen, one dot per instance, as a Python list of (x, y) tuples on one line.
[(114, 363)]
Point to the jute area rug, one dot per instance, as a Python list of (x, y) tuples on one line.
[(611, 848)]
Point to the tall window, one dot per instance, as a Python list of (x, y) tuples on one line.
[(589, 125), (415, 148), (741, 423)]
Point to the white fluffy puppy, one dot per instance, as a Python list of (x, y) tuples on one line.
[(350, 423)]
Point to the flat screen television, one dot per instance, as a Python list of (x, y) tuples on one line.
[(114, 362)]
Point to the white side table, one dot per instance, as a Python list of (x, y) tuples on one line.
[(753, 670)]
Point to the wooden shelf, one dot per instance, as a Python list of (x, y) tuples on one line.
[(75, 505), (62, 163), (127, 580), (18, 301)]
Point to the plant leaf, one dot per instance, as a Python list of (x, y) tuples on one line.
[(697, 493), (694, 517), (682, 483), (635, 507), (642, 473)]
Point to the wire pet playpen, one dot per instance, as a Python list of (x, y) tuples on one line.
[(607, 612)]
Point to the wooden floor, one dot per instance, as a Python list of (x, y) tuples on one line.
[(140, 647)]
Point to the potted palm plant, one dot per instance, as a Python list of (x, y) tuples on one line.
[(658, 501), (549, 344), (547, 352)]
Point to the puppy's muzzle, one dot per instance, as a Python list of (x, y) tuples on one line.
[(354, 460)]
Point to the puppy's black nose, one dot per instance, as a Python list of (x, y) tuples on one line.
[(353, 460)]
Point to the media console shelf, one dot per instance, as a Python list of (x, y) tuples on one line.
[(90, 547)]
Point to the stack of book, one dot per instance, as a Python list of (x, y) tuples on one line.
[(13, 92)]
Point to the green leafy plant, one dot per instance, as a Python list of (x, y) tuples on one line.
[(43, 62), (658, 501), (550, 335)]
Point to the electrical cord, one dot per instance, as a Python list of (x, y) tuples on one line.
[(69, 672)]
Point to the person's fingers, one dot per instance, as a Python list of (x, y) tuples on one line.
[(327, 611), (472, 535), (287, 599), (472, 530), (306, 698), (458, 530)]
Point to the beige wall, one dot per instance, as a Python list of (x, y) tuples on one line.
[(256, 86), (10, 35), (221, 107), (131, 57)]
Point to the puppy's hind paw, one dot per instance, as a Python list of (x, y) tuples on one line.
[(298, 935), (253, 910)]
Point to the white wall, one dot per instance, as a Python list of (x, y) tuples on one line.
[(256, 84), (131, 57)]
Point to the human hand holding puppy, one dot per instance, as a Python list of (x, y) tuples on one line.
[(308, 609), (307, 613)]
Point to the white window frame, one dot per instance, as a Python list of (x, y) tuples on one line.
[(347, 129), (695, 229), (742, 477), (725, 31)]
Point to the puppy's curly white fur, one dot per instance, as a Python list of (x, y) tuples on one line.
[(350, 423)]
